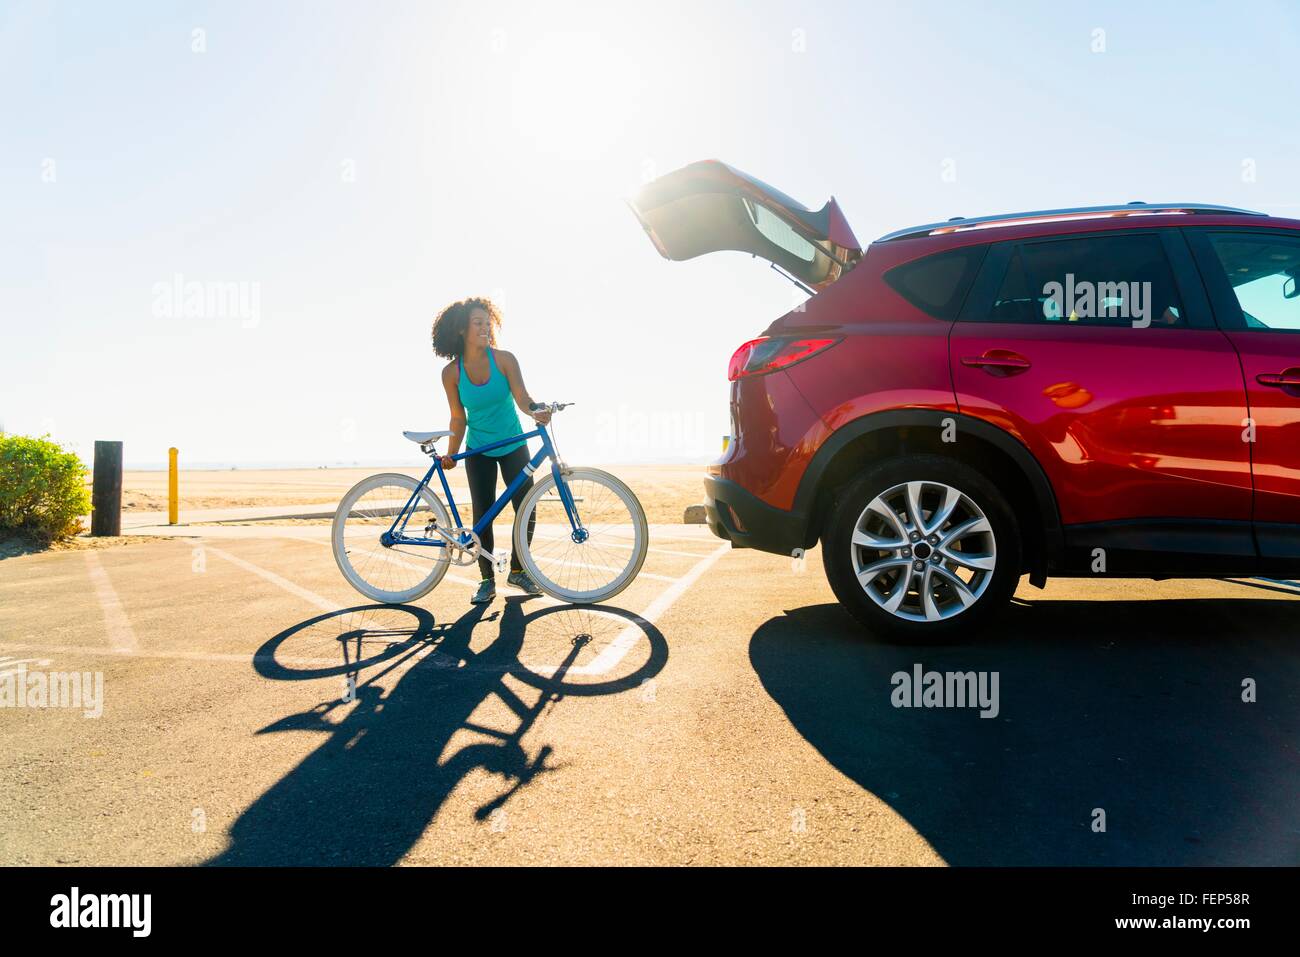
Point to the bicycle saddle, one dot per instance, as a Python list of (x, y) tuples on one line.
[(423, 437)]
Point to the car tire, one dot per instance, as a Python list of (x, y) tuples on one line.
[(939, 580)]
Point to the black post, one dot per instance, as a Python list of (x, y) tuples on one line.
[(106, 495)]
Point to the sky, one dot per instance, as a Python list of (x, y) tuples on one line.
[(345, 169)]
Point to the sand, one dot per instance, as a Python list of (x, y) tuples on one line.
[(664, 490)]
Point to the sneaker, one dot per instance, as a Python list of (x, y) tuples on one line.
[(525, 584), (487, 590)]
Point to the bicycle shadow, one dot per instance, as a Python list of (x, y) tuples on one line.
[(369, 791), (1133, 707)]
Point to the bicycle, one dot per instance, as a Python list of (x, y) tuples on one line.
[(588, 541)]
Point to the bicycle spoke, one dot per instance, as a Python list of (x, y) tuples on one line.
[(605, 559), (388, 573)]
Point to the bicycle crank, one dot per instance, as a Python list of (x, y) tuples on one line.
[(460, 551)]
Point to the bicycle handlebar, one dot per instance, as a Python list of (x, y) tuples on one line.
[(551, 407)]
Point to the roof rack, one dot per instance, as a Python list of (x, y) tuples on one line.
[(960, 224)]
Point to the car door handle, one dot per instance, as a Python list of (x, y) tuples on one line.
[(1279, 380), (999, 362)]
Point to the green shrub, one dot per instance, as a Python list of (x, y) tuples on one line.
[(42, 488)]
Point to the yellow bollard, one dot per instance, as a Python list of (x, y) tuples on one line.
[(173, 504)]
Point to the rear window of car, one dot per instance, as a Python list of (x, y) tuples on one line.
[(938, 284), (778, 231)]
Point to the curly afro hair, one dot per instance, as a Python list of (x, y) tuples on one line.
[(450, 325)]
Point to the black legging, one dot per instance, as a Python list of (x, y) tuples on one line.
[(481, 471)]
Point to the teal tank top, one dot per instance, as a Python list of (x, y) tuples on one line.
[(489, 410)]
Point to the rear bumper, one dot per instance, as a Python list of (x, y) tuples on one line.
[(746, 521)]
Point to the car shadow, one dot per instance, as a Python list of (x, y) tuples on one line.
[(386, 766), (1132, 707)]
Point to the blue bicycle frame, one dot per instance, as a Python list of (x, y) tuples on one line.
[(396, 534)]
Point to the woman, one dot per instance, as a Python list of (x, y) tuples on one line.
[(481, 382)]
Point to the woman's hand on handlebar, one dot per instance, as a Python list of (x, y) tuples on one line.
[(541, 416)]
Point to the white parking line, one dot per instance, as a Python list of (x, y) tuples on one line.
[(600, 568), (540, 599), (121, 636), (9, 665), (241, 659), (124, 643), (449, 577), (629, 547), (617, 649), (474, 581), (702, 538), (324, 604)]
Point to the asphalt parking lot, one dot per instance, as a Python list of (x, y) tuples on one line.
[(721, 710)]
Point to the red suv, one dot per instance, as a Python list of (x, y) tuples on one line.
[(1098, 391)]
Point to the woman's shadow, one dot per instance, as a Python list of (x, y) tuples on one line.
[(383, 772)]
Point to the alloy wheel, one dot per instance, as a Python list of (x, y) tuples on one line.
[(923, 551)]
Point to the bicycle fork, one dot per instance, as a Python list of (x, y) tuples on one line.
[(579, 533)]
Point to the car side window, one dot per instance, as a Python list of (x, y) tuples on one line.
[(938, 284), (1112, 281), (1264, 272)]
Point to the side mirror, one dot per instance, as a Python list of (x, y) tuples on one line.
[(1289, 288)]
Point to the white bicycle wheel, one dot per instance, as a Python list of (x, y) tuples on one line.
[(391, 574), (602, 557)]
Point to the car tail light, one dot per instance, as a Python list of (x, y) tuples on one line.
[(767, 354)]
